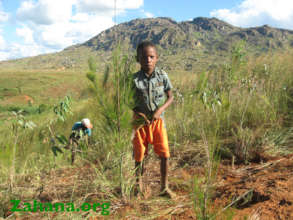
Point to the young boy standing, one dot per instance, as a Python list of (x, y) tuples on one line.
[(151, 85)]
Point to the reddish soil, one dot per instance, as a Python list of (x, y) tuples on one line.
[(269, 187), (19, 99), (260, 191)]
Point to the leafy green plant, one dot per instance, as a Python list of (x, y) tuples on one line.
[(61, 110), (19, 123)]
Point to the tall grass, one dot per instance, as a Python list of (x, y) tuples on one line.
[(237, 110), (249, 99), (112, 104)]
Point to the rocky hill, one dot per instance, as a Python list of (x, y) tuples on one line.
[(164, 32), (210, 33), (181, 44)]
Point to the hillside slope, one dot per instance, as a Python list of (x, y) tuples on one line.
[(183, 45)]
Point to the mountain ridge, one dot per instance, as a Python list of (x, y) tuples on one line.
[(200, 37)]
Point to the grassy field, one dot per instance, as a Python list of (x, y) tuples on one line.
[(235, 111), (40, 86)]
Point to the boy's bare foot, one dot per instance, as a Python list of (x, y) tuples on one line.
[(167, 193)]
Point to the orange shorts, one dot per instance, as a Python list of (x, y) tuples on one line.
[(155, 134)]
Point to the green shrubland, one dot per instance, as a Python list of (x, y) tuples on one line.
[(236, 111)]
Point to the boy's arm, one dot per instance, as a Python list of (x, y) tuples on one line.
[(168, 102)]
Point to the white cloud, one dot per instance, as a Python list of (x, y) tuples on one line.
[(258, 12), (45, 12), (80, 17), (4, 56), (26, 50), (85, 29), (26, 33), (2, 43), (3, 15), (16, 50), (51, 25), (105, 7), (147, 14), (54, 36), (58, 24), (60, 35), (12, 50)]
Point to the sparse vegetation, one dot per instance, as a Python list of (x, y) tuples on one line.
[(237, 110)]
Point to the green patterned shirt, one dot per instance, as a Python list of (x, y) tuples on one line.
[(150, 91)]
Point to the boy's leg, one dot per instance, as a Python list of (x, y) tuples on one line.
[(139, 149), (138, 174), (165, 191), (164, 173), (161, 148)]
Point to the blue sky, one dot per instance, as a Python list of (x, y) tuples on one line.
[(32, 27)]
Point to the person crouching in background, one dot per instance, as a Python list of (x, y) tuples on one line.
[(80, 129)]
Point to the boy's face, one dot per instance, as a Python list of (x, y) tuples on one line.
[(148, 58)]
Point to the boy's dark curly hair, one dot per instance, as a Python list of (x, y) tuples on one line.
[(143, 45)]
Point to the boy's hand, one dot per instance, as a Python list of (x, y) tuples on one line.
[(157, 115)]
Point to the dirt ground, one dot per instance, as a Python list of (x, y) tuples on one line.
[(269, 187), (258, 191)]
